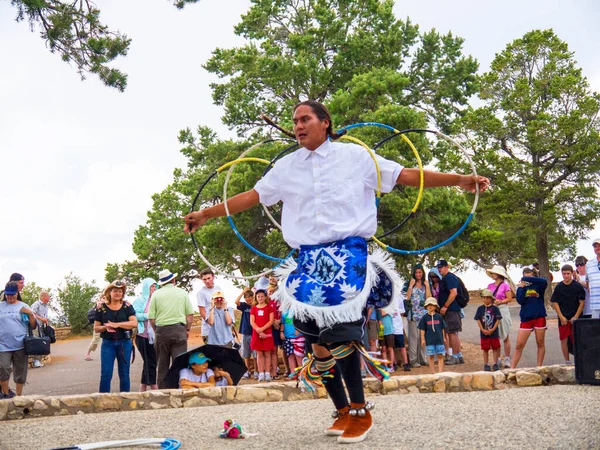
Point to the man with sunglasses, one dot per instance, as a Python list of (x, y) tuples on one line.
[(592, 269)]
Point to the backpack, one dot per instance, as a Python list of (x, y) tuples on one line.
[(91, 315), (462, 295)]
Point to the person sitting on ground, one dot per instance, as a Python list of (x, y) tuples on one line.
[(14, 318), (530, 295), (197, 375), (568, 300), (222, 378), (433, 327), (488, 318)]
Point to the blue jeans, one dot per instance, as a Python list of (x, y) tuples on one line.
[(121, 351)]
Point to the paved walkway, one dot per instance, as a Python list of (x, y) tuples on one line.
[(557, 417)]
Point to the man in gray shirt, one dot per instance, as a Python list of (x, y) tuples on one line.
[(40, 309), (204, 299)]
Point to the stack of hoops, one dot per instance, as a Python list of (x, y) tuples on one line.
[(293, 145)]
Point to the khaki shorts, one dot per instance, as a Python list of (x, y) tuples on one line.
[(18, 360), (373, 330)]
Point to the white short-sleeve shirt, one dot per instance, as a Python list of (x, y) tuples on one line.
[(204, 297), (328, 194)]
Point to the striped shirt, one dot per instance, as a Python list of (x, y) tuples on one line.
[(593, 276)]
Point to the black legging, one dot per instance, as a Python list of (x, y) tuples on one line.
[(149, 357)]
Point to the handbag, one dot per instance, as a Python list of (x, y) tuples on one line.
[(36, 345), (236, 339), (49, 331)]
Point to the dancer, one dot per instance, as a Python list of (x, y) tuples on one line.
[(329, 211)]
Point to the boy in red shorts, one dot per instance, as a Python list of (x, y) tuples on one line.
[(488, 318), (568, 300), (530, 295)]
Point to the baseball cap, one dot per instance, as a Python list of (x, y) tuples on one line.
[(487, 293), (197, 358), (11, 288), (596, 241), (218, 294), (441, 263)]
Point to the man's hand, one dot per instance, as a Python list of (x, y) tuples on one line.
[(563, 321), (44, 320), (469, 183), (443, 311), (193, 221)]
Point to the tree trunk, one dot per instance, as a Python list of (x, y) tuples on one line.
[(541, 246)]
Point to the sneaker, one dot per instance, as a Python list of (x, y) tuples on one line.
[(357, 429), (416, 365), (256, 375), (461, 360), (506, 362), (453, 361), (406, 367), (268, 376), (496, 367), (487, 367), (568, 363), (246, 375), (339, 425), (37, 364), (261, 377), (10, 394)]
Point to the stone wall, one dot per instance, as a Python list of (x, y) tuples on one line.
[(40, 406)]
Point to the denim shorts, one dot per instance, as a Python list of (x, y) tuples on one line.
[(433, 350)]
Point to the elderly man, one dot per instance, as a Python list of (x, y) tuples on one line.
[(592, 269), (170, 315), (40, 309)]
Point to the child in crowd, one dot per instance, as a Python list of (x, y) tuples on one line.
[(293, 342), (246, 331), (488, 318), (387, 347), (197, 375), (530, 295), (399, 348), (275, 331), (568, 300), (262, 317), (222, 378), (433, 328)]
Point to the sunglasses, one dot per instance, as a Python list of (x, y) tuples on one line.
[(579, 264)]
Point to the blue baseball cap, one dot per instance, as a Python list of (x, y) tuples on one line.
[(197, 358), (11, 288)]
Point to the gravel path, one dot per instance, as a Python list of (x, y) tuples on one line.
[(532, 418)]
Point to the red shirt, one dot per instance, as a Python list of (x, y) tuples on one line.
[(261, 315)]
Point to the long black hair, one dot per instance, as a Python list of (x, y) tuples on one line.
[(322, 113)]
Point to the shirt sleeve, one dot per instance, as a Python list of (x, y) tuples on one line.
[(130, 311), (451, 282), (556, 294), (200, 299), (389, 170), (478, 313), (497, 313), (422, 324), (98, 315), (268, 187), (152, 309)]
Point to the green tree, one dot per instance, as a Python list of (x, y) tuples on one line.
[(31, 292), (366, 65), (537, 138), (75, 299)]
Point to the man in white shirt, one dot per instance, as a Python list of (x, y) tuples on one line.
[(204, 298), (329, 211), (40, 309)]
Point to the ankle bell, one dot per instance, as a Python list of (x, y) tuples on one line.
[(361, 412)]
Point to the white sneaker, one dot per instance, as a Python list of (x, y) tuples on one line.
[(256, 375), (246, 375), (261, 377), (267, 376), (37, 364), (506, 362)]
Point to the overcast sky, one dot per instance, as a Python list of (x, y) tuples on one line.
[(80, 161)]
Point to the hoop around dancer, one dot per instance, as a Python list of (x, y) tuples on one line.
[(328, 193)]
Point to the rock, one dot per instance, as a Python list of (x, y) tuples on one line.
[(213, 392), (483, 381), (154, 405), (405, 382), (250, 395), (3, 409), (55, 403), (439, 386), (528, 379), (197, 401), (499, 378), (22, 402), (274, 395), (296, 395), (176, 402), (427, 380), (158, 395), (454, 384), (564, 374), (80, 413), (467, 381), (511, 377), (390, 385), (399, 392), (131, 395), (78, 401), (373, 385), (39, 405), (413, 390), (15, 414), (108, 402), (321, 392), (133, 404), (230, 393)]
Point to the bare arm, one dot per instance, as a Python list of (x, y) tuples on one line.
[(129, 325), (451, 298), (423, 338), (579, 311), (211, 316), (188, 321), (187, 384), (228, 319), (238, 203), (411, 177), (269, 324)]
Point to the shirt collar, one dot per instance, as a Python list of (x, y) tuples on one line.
[(321, 150)]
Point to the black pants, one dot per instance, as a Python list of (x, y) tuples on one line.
[(149, 358)]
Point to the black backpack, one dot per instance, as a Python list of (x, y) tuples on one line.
[(462, 295)]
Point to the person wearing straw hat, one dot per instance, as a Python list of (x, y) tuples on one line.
[(433, 327), (170, 315), (114, 321), (503, 289)]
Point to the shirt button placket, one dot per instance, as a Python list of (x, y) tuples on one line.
[(318, 193)]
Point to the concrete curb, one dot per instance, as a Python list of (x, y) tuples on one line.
[(43, 406)]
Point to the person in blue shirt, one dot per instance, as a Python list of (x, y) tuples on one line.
[(450, 310), (488, 319), (246, 330), (433, 327)]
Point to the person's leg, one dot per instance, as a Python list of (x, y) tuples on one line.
[(274, 361), (178, 343), (5, 365), (93, 345), (123, 364), (522, 338), (496, 353), (20, 364), (486, 357), (108, 354), (413, 341), (142, 343), (432, 363), (565, 349), (441, 360), (540, 340), (260, 358), (162, 345), (507, 347)]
